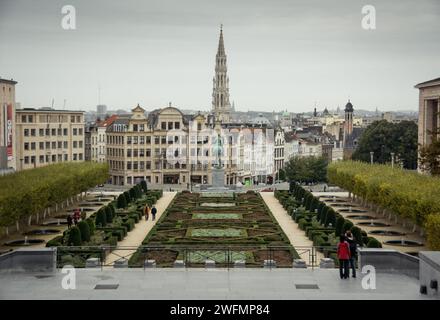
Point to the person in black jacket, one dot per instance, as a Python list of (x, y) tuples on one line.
[(153, 212), (353, 251)]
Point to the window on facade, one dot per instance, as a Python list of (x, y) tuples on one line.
[(80, 156), (65, 144), (75, 131), (141, 165), (31, 119), (135, 127), (48, 132), (59, 131), (163, 125), (32, 145), (78, 119), (60, 144), (148, 152), (26, 132), (157, 140), (33, 132), (128, 165), (54, 158), (72, 119), (148, 165), (163, 139), (75, 144), (177, 125), (141, 140), (26, 160), (26, 146), (54, 145), (65, 131), (65, 157), (170, 125), (23, 119), (80, 130), (75, 157), (135, 152), (47, 145), (128, 140), (41, 145), (80, 144), (41, 159), (41, 132), (148, 139), (54, 132), (141, 127), (199, 126), (135, 165), (135, 140), (128, 152)]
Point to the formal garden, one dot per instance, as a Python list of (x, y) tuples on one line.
[(320, 222), (97, 235), (407, 194), (223, 228)]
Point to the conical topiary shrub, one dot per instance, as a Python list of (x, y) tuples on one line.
[(74, 238), (84, 229)]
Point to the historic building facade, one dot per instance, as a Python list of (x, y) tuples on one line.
[(429, 110), (45, 136), (7, 125)]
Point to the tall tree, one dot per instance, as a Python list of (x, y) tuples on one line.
[(430, 155), (306, 169), (383, 138)]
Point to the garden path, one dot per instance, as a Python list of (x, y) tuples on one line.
[(297, 237), (137, 235)]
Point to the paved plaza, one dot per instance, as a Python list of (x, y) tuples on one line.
[(176, 284)]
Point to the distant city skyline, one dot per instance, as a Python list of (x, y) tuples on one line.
[(281, 54)]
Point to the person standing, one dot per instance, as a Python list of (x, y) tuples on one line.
[(353, 252), (69, 221), (344, 257), (153, 212), (146, 212)]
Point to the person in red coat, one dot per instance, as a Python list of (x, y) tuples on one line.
[(344, 258)]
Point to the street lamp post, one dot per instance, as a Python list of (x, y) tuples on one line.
[(371, 156)]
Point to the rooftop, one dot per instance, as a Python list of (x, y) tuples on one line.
[(429, 83), (44, 109)]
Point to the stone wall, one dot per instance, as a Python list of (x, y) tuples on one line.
[(389, 261), (29, 260)]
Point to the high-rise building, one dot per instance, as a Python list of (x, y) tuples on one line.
[(7, 124), (101, 111), (46, 136), (221, 106)]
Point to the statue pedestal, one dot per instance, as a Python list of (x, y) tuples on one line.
[(218, 178)]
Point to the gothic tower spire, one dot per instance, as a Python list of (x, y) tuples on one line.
[(221, 106)]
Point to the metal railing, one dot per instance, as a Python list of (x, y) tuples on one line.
[(194, 256)]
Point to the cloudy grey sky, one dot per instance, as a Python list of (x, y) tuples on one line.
[(282, 54)]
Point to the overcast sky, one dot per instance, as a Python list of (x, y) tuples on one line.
[(282, 54)]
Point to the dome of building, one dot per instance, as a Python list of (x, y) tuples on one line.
[(260, 119), (348, 107)]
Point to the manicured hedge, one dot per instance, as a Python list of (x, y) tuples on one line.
[(406, 193)]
